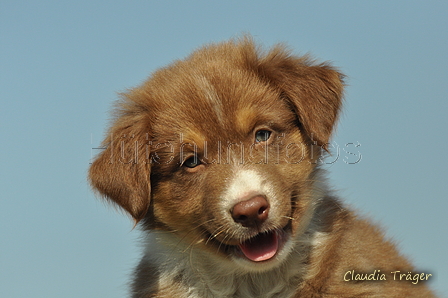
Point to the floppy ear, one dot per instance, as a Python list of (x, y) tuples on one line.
[(121, 173), (314, 91)]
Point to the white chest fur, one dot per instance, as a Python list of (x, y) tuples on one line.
[(200, 274)]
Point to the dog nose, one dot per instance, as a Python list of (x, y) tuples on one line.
[(251, 213)]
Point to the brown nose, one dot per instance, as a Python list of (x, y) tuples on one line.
[(251, 213)]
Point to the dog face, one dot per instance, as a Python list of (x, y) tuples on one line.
[(221, 149)]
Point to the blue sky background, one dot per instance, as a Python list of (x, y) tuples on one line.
[(62, 62)]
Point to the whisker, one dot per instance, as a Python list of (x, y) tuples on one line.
[(288, 217), (214, 235)]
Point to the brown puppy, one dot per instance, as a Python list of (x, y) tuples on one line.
[(217, 158)]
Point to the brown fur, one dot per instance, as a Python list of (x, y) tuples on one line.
[(211, 105)]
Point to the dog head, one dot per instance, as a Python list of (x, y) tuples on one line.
[(221, 149)]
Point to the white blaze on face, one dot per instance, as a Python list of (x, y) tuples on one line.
[(243, 185), (210, 93)]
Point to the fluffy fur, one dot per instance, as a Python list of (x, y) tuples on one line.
[(216, 157)]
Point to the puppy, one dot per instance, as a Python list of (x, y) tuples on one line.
[(216, 158)]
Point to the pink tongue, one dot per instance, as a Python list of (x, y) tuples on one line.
[(261, 248)]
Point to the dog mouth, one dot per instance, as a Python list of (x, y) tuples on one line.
[(262, 247)]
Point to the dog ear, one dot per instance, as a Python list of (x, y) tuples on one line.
[(314, 91), (121, 173)]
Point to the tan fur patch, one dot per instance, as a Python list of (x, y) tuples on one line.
[(245, 119)]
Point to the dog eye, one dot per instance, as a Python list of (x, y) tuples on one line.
[(262, 135), (191, 162)]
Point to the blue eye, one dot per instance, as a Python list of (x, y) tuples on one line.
[(262, 135), (191, 162)]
